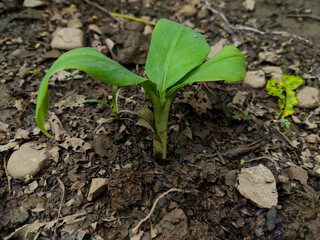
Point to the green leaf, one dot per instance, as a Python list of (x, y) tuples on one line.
[(289, 100), (93, 63), (228, 64), (174, 51), (292, 82)]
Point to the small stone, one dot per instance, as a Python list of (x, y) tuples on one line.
[(255, 79), (258, 184), (33, 3), (312, 138), (67, 39), (135, 26), (283, 179), (19, 215), (147, 30), (249, 4), (98, 185), (94, 28), (217, 48), (317, 158), (203, 13), (188, 10), (52, 54), (75, 23), (23, 71), (275, 72), (308, 97), (28, 160), (268, 57)]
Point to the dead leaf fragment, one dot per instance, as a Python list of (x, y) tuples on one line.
[(298, 173), (77, 144)]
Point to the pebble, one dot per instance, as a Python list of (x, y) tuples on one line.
[(268, 57), (33, 3), (23, 71), (135, 26), (258, 184), (98, 185), (67, 39), (312, 138), (75, 23), (188, 10), (249, 4), (308, 97), (147, 30), (255, 79), (28, 160), (203, 13), (275, 72), (19, 215)]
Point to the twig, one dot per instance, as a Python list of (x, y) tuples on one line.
[(303, 16), (285, 137), (102, 9), (7, 173), (136, 228), (60, 207), (261, 158)]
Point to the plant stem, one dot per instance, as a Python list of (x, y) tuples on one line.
[(161, 116)]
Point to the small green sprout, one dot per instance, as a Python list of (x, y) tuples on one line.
[(287, 96), (113, 107), (175, 59)]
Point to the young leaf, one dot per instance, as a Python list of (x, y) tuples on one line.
[(93, 63), (174, 51), (228, 64)]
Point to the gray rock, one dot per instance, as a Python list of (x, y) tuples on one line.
[(19, 215), (255, 79), (98, 185), (67, 39), (308, 97), (28, 160), (258, 184)]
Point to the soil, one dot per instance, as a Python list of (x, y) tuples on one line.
[(205, 144)]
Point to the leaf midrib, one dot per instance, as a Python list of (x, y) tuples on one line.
[(168, 59)]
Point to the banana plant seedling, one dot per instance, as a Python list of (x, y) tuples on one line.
[(175, 59)]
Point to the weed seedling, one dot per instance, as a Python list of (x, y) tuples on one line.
[(175, 59), (287, 96)]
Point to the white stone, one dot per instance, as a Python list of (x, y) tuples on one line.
[(33, 3), (258, 184), (249, 4), (275, 72), (28, 160), (75, 23), (67, 39), (98, 185), (255, 79), (147, 30), (308, 97), (268, 57)]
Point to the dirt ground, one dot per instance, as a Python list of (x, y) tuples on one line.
[(209, 142)]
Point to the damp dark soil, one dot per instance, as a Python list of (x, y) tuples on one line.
[(225, 128)]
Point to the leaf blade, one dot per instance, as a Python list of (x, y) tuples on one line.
[(228, 64), (94, 64), (174, 51)]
